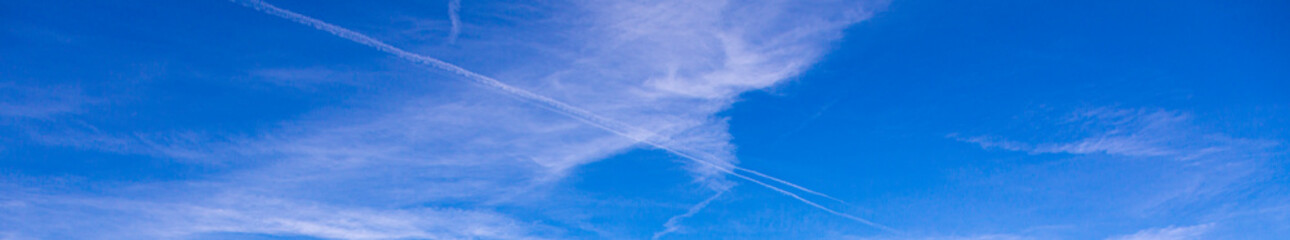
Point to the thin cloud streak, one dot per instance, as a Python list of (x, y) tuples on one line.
[(1134, 133), (454, 10), (1169, 233), (808, 121), (673, 223), (26, 102), (242, 213), (613, 126), (1199, 163)]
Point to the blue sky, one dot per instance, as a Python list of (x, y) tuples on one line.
[(820, 119)]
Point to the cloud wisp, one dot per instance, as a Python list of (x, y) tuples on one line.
[(1134, 133), (1183, 164), (622, 129), (454, 16), (1169, 233), (606, 77), (23, 102), (241, 214), (673, 224)]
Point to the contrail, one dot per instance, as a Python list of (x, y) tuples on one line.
[(671, 224), (454, 8), (759, 174), (613, 126)]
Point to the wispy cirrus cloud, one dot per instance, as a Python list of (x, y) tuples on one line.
[(718, 84), (640, 74), (235, 213), (454, 18), (1169, 233), (1183, 164), (1135, 133), (32, 102), (969, 237)]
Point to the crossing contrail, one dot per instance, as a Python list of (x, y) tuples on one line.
[(607, 124)]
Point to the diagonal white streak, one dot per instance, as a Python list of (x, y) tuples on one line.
[(671, 224), (613, 126)]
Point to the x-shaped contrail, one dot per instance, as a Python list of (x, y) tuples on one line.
[(607, 124)]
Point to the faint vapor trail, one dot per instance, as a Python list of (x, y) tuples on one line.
[(454, 9), (613, 126), (671, 224)]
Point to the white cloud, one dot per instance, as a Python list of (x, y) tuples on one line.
[(666, 67), (180, 146), (79, 217), (273, 216), (31, 102), (969, 237), (1181, 161), (674, 224), (1169, 233), (1136, 133), (454, 17), (771, 45)]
